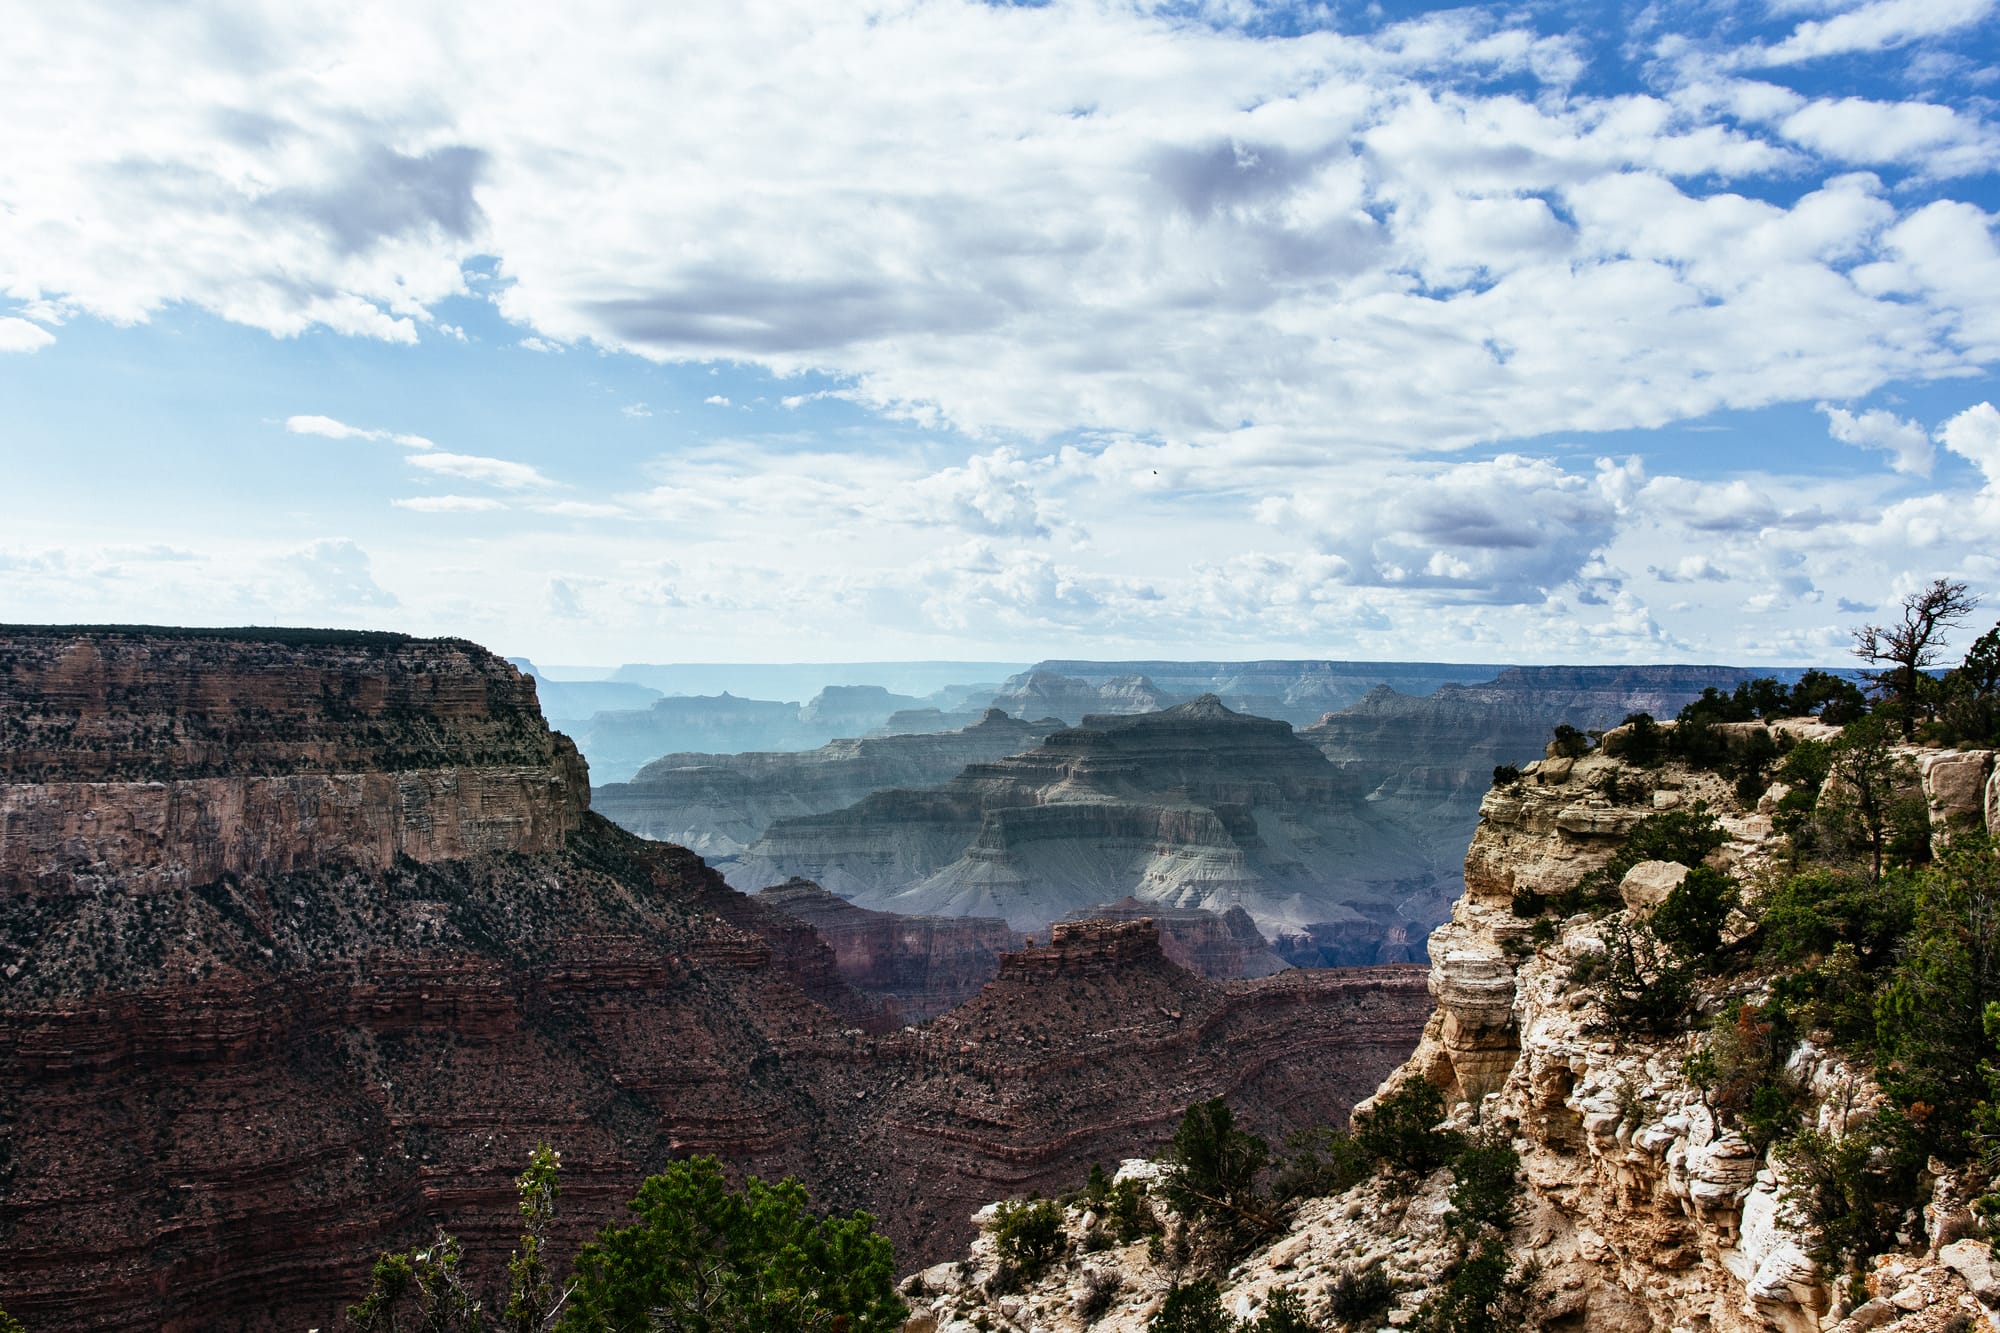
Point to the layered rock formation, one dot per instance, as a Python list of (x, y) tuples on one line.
[(1294, 692), (919, 966), (1220, 947), (239, 1064), (1641, 1207), (719, 804), (1196, 806), (1072, 698)]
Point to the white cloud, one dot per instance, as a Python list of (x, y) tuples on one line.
[(331, 574), (582, 509), (1877, 26), (1082, 216), (473, 467), (716, 400), (534, 344), (1908, 447), (448, 504), (1690, 569), (1975, 434), (340, 430), (18, 335), (639, 410)]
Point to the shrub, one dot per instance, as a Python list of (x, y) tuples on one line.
[(1691, 918), (1213, 1168), (1100, 1288), (1284, 1312), (1029, 1235), (1740, 1071), (1641, 984), (1359, 1297), (1323, 1161), (1128, 1213), (703, 1255), (1194, 1307), (1643, 746), (1569, 743), (1506, 775), (1400, 1131), (1485, 1187), (1479, 1297)]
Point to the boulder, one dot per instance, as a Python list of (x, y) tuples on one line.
[(1647, 884)]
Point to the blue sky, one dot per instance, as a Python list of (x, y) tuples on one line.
[(779, 332)]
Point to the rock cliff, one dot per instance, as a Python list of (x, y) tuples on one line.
[(919, 965), (1195, 806), (1641, 1206), (1072, 698), (241, 1052), (719, 804), (1219, 947)]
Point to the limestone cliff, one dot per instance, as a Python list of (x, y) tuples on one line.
[(1642, 1207)]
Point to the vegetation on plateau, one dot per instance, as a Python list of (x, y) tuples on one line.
[(700, 1257)]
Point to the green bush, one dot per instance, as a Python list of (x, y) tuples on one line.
[(1322, 1161), (1284, 1312), (704, 1256), (1480, 1296), (1740, 1071), (1127, 1213), (1691, 918), (1569, 743), (1643, 986), (1400, 1131), (1213, 1167), (1359, 1298), (1194, 1307), (1486, 1189), (1643, 746), (1029, 1235), (1506, 775)]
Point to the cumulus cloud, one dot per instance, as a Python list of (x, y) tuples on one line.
[(331, 574), (19, 335), (1975, 434), (1430, 234), (1908, 447), (1877, 26)]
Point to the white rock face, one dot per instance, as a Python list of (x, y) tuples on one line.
[(1647, 884), (1644, 1208)]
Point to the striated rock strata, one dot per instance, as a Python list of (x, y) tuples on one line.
[(1642, 1208), (237, 1065), (1219, 947), (919, 966), (718, 804), (1195, 806)]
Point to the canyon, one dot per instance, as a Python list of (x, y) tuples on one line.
[(307, 938), (1193, 806), (1642, 1201)]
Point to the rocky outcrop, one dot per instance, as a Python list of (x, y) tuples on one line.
[(1093, 1044), (1196, 806), (918, 965), (151, 760), (1072, 698), (1642, 1207), (220, 1098), (1219, 947), (719, 804)]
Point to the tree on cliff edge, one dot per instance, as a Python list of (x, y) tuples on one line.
[(704, 1258), (1905, 651)]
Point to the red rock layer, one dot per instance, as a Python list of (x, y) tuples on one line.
[(920, 965), (221, 1097)]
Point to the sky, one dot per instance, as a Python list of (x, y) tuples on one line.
[(776, 331)]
